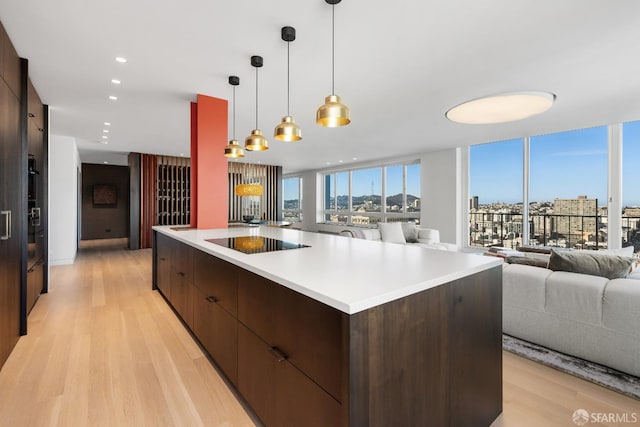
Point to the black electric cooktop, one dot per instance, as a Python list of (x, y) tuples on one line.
[(256, 244)]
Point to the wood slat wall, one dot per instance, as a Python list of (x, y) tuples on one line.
[(267, 176)]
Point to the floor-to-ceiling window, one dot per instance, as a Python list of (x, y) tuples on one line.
[(292, 199), (370, 195), (495, 190), (566, 192), (631, 185), (568, 189)]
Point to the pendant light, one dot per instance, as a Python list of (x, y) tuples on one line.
[(256, 141), (233, 149), (333, 112), (288, 130)]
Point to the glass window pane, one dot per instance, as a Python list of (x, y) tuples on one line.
[(568, 189), (329, 190), (394, 189), (631, 185), (366, 190), (291, 199), (413, 187), (342, 190), (495, 190)]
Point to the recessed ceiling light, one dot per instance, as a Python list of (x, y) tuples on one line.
[(105, 130), (182, 154), (107, 124), (355, 158), (106, 163), (121, 60), (115, 81), (501, 108), (113, 98), (339, 161), (104, 137), (105, 142)]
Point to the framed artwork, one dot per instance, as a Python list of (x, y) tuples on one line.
[(105, 196)]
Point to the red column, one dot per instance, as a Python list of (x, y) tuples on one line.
[(209, 170)]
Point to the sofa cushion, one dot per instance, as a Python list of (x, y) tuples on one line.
[(371, 234), (621, 307), (576, 296), (592, 263), (524, 286), (391, 232), (410, 232)]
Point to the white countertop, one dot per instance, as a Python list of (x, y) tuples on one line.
[(348, 274)]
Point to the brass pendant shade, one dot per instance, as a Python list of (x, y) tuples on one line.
[(249, 190), (288, 130), (333, 113), (256, 141), (233, 150)]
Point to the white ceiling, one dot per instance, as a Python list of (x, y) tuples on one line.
[(399, 66)]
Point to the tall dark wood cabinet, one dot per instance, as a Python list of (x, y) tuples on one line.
[(11, 197), (23, 196), (36, 196)]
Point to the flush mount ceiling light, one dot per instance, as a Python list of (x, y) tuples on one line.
[(256, 141), (501, 108), (233, 149), (333, 112), (288, 130)]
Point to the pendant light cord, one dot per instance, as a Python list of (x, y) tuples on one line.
[(234, 113), (256, 97), (333, 49), (288, 79)]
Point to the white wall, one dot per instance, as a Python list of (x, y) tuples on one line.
[(64, 164), (440, 189), (311, 191)]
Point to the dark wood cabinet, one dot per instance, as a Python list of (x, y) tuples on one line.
[(162, 261), (217, 331), (11, 198), (36, 196), (431, 358)]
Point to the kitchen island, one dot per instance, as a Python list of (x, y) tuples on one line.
[(331, 331)]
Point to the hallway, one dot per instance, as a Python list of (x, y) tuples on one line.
[(103, 349)]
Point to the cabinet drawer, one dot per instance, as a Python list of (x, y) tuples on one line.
[(279, 393), (256, 304), (257, 375), (217, 278), (182, 260), (181, 297), (311, 335), (217, 331)]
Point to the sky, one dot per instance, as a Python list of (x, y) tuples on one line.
[(562, 165)]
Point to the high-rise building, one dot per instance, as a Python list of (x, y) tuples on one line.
[(473, 202), (576, 218)]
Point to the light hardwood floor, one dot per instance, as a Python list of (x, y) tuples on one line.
[(105, 350)]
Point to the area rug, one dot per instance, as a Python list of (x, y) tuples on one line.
[(610, 378)]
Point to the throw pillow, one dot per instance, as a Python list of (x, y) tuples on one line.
[(391, 232), (410, 232), (593, 263), (534, 262)]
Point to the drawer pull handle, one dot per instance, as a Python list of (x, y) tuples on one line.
[(163, 259), (181, 274), (212, 299), (7, 225), (279, 355)]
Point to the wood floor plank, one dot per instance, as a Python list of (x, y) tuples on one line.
[(105, 350)]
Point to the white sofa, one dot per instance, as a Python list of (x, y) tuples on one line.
[(590, 317), (427, 237)]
